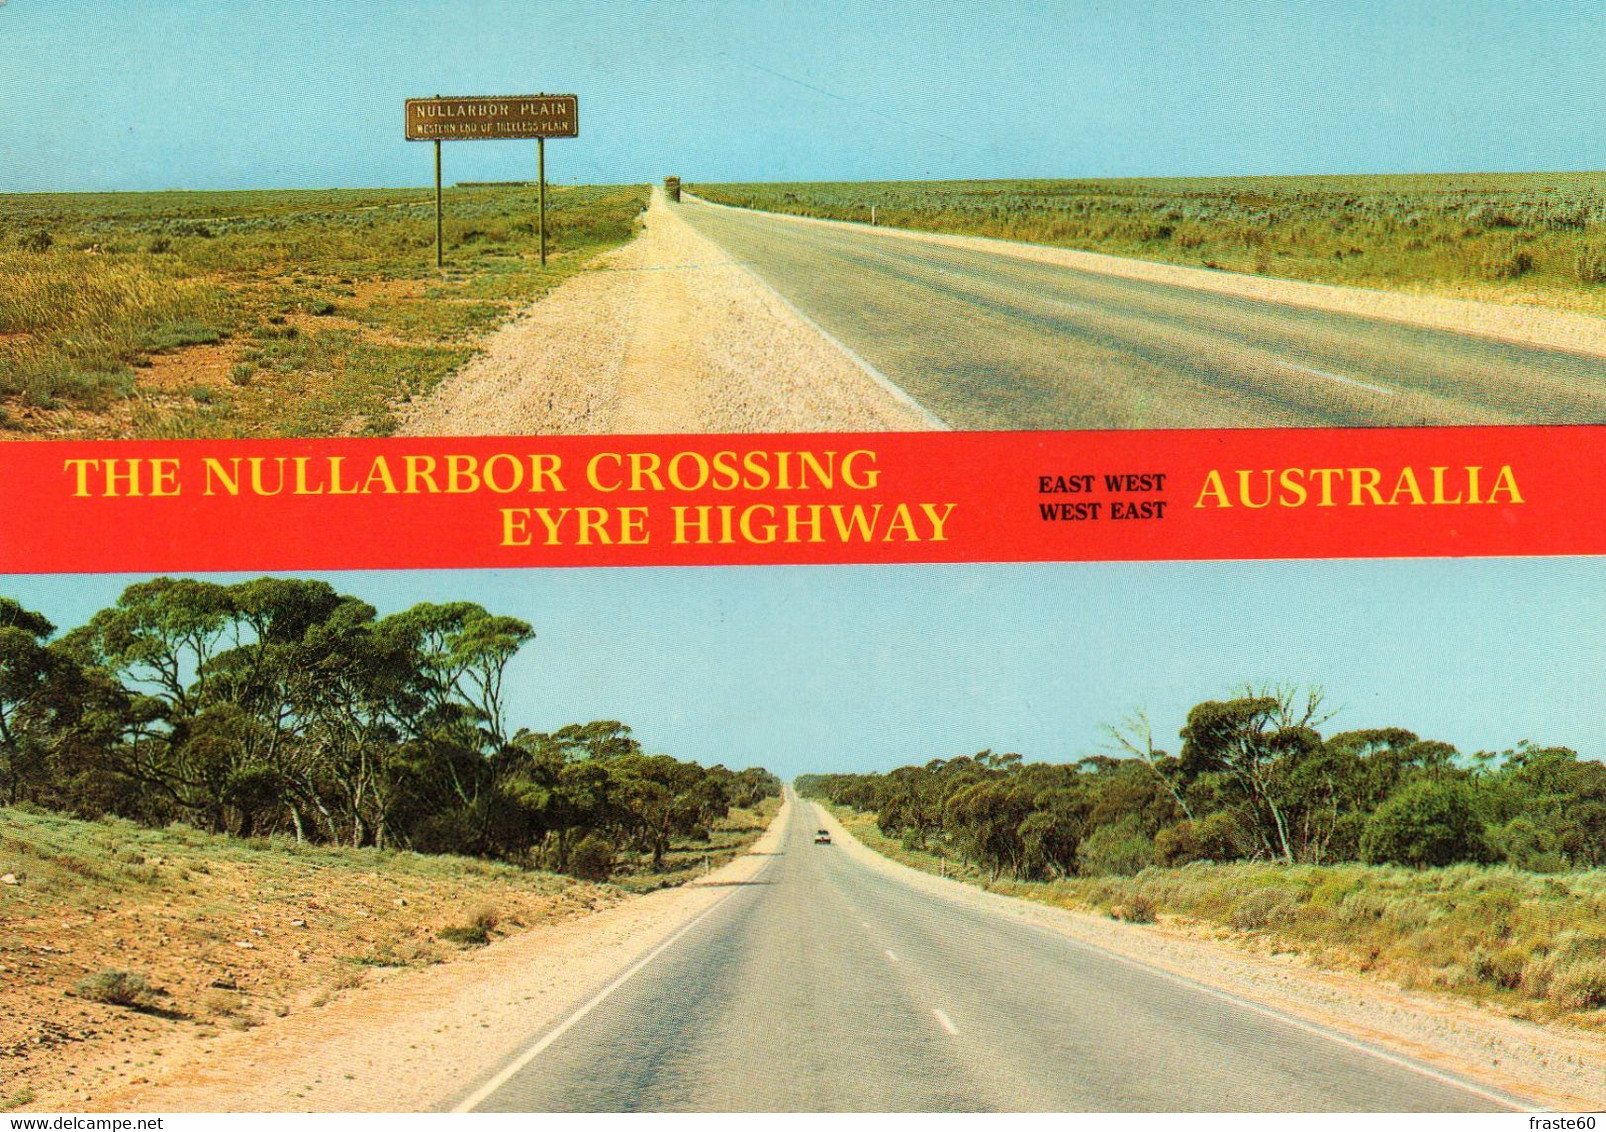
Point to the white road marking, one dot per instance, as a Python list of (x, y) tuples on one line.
[(892, 957), (946, 1024), (898, 393), (1368, 386), (1274, 1014), (1068, 305), (966, 894), (529, 1055)]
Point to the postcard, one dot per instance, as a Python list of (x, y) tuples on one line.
[(777, 557)]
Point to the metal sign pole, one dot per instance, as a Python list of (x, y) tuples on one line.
[(439, 254), (540, 161)]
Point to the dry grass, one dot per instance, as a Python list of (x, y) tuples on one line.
[(127, 276), (119, 935), (1526, 238)]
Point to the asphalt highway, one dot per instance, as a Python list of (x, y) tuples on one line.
[(987, 340), (830, 982)]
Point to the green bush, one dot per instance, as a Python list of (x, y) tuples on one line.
[(1580, 985), (36, 240), (1590, 266), (1265, 908), (1121, 849), (117, 988), (1428, 822), (1525, 846), (1508, 265), (1213, 837), (592, 859)]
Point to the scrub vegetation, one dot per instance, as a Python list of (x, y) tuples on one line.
[(282, 708), (1528, 238), (266, 313), (1372, 850)]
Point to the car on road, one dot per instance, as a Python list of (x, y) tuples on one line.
[(822, 837)]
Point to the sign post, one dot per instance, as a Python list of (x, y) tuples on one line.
[(439, 255), (480, 118)]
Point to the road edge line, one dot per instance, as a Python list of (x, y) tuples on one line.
[(898, 393), (541, 1044), (1514, 1101), (1308, 296)]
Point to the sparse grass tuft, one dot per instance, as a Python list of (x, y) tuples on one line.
[(117, 988)]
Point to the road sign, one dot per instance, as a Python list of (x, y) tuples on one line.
[(488, 118), (493, 118)]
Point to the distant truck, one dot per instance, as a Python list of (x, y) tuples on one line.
[(822, 837), (672, 188)]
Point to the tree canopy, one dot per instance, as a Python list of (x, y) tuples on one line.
[(1254, 779), (280, 706)]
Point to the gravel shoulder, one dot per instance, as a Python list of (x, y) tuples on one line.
[(1529, 326), (420, 1039), (666, 334), (1557, 1069)]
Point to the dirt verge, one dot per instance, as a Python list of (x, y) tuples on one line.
[(421, 1039), (667, 334)]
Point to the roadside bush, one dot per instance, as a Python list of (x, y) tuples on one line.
[(1590, 266), (1136, 909), (477, 932), (37, 240), (1525, 846), (117, 988), (1120, 849), (1265, 908), (592, 859), (1429, 822), (1212, 838), (1508, 265), (1580, 985)]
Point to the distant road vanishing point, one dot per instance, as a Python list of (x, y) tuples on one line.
[(831, 980), (986, 338)]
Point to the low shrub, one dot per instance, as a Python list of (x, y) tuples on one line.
[(117, 988), (1137, 909), (1265, 908), (592, 859), (1579, 985), (477, 932), (1121, 849), (1590, 267)]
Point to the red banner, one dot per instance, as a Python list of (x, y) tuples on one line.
[(800, 498)]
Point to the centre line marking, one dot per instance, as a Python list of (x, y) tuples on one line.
[(1366, 385), (892, 957), (946, 1024)]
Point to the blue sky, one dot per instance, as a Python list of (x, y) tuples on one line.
[(864, 668), (150, 94)]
